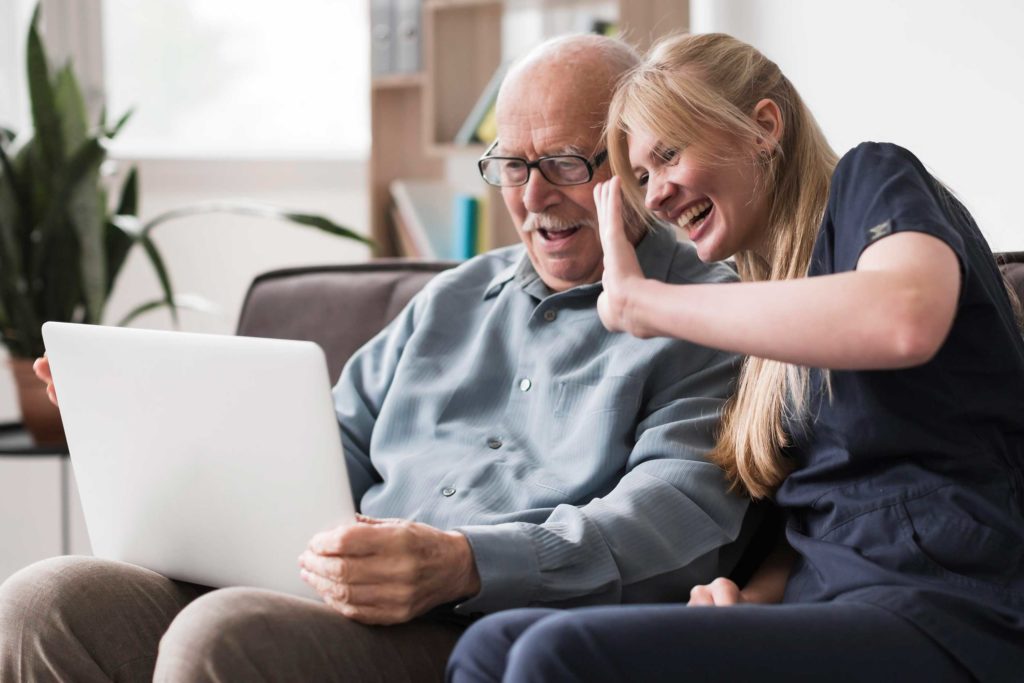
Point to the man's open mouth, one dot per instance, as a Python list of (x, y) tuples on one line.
[(556, 234)]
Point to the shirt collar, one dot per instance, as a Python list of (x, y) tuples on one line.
[(654, 252)]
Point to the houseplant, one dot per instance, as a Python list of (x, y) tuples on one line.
[(62, 242)]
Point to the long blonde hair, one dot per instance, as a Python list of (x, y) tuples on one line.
[(694, 88)]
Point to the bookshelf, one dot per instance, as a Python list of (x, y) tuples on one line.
[(415, 116)]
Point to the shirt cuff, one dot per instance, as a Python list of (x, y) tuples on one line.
[(508, 568)]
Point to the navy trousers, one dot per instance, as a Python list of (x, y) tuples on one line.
[(830, 643)]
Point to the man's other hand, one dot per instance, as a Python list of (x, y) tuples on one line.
[(389, 571), (42, 369)]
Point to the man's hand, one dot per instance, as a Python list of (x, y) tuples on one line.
[(42, 369), (622, 272), (719, 593), (389, 571)]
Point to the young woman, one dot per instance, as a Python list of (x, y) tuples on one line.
[(881, 404)]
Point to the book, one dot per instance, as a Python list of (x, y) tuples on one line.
[(465, 217), (424, 209), (483, 223), (483, 111)]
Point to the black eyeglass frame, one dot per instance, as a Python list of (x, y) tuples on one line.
[(591, 164)]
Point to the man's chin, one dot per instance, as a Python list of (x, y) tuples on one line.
[(560, 275)]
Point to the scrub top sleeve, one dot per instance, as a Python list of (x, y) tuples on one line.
[(879, 189)]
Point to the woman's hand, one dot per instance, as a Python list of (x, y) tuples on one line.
[(42, 369), (719, 593), (622, 271)]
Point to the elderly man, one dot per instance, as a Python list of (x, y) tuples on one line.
[(506, 449)]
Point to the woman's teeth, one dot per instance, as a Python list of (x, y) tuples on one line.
[(695, 215)]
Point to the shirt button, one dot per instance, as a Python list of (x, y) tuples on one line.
[(550, 314), (525, 384), (448, 492), (494, 443)]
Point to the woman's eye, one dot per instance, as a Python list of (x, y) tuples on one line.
[(667, 155), (642, 180)]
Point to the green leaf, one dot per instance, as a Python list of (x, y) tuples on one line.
[(13, 204), (257, 209), (85, 160), (44, 109), (71, 109), (112, 132), (161, 272), (87, 212), (118, 244), (189, 302), (129, 204)]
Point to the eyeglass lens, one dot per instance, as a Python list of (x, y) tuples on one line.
[(560, 170)]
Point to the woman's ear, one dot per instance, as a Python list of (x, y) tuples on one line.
[(768, 117)]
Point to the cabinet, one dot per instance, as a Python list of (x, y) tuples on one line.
[(415, 116)]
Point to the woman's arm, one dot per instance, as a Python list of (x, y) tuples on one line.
[(766, 586), (894, 311)]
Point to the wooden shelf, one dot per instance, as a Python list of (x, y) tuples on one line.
[(394, 81), (414, 117)]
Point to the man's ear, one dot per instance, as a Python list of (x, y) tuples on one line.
[(768, 117)]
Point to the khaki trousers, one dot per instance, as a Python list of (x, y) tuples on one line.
[(84, 619)]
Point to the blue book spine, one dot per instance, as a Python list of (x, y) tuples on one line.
[(464, 219)]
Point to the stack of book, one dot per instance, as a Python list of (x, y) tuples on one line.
[(435, 221)]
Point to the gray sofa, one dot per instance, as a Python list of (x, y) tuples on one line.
[(342, 307)]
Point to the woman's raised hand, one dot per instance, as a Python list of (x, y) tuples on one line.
[(621, 269)]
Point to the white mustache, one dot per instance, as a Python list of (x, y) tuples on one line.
[(536, 221)]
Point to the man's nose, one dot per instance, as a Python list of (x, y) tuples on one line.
[(538, 193)]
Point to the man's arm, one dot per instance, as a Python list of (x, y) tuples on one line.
[(361, 391), (657, 531)]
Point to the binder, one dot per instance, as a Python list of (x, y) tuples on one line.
[(407, 32), (381, 37)]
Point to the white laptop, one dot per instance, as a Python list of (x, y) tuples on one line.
[(207, 458)]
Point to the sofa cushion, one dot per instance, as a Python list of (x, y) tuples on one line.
[(339, 307)]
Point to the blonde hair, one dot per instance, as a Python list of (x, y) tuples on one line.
[(697, 91)]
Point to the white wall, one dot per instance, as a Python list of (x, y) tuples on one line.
[(944, 78)]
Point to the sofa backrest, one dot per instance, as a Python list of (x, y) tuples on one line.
[(339, 307), (1012, 265), (342, 307)]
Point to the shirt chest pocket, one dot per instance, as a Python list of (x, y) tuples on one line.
[(609, 394)]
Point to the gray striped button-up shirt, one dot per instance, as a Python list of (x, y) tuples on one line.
[(573, 459)]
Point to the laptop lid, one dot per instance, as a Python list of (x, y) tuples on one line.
[(208, 458)]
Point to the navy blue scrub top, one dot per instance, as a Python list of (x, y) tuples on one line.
[(909, 484)]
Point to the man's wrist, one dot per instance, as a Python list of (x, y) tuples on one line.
[(466, 582)]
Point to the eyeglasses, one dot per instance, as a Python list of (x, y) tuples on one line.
[(558, 169)]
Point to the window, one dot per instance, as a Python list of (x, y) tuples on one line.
[(238, 78)]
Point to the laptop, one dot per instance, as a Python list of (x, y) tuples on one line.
[(207, 458)]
